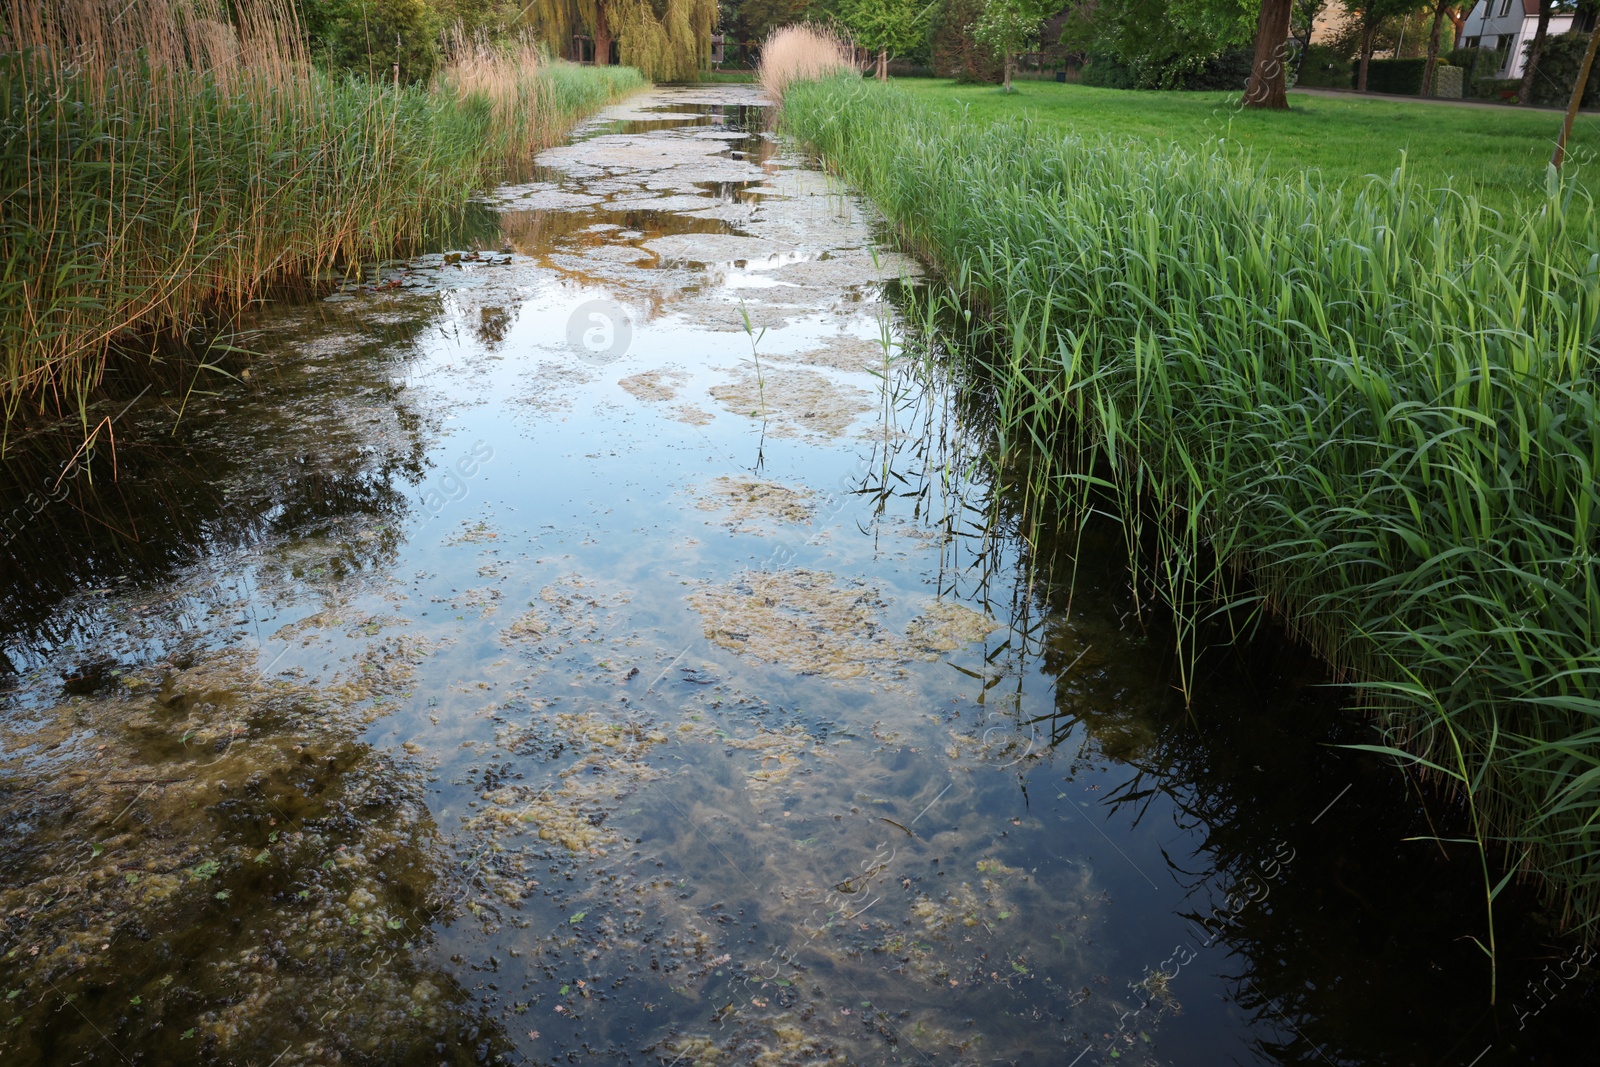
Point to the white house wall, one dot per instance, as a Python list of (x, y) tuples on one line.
[(1487, 24)]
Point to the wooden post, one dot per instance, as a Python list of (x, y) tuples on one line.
[(1577, 98)]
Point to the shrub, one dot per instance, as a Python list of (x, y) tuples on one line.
[(1476, 63), (956, 51), (1496, 88), (1402, 77), (1228, 72), (373, 36), (1109, 72), (1558, 70), (1325, 67)]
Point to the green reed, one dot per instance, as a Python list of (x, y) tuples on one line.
[(1368, 412), (158, 168)]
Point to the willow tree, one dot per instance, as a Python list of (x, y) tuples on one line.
[(668, 40)]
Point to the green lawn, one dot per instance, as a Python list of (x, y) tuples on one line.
[(1500, 153)]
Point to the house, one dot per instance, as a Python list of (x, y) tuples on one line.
[(1508, 25), (1331, 22)]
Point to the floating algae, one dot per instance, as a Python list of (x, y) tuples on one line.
[(749, 503), (572, 811), (947, 626), (654, 385), (614, 847), (843, 353), (782, 753), (803, 620), (793, 402), (662, 387), (807, 622), (636, 860), (570, 610), (236, 870), (692, 415)]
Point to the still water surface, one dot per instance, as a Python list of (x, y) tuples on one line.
[(610, 643)]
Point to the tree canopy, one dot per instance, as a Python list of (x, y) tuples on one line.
[(887, 27), (1009, 26), (1161, 40)]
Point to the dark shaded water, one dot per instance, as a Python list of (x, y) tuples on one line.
[(611, 644)]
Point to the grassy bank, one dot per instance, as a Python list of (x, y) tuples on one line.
[(1498, 154), (1376, 402), (161, 164)]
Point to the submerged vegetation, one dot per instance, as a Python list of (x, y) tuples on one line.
[(166, 163), (1369, 412)]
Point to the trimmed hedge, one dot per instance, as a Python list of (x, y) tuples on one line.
[(1447, 81), (1494, 88)]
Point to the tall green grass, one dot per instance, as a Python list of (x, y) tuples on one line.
[(162, 162), (1370, 412)]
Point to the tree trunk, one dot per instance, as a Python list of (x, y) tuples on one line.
[(1433, 50), (1267, 86), (1008, 72), (1525, 92), (883, 64), (1367, 34), (602, 37)]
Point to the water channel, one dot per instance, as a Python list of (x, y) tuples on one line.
[(607, 643)]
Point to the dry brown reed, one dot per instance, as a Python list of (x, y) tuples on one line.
[(168, 159), (803, 53)]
